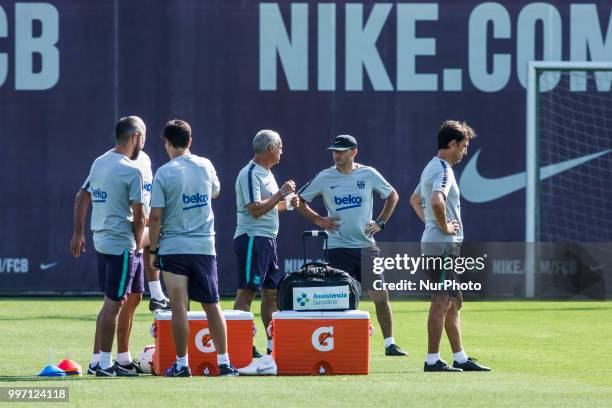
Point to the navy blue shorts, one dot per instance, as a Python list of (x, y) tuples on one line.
[(138, 283), (116, 274), (201, 272), (257, 262), (350, 260), (440, 274)]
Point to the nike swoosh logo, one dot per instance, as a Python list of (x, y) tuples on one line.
[(44, 266), (332, 187), (478, 189), (263, 370)]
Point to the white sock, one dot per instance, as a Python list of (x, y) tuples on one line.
[(123, 358), (156, 290), (460, 357), (182, 361), (95, 359), (270, 344), (389, 341), (223, 359), (432, 358), (106, 360)]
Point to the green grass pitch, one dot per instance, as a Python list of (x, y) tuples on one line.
[(543, 354)]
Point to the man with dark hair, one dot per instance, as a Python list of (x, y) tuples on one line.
[(115, 188), (258, 202), (181, 207), (348, 189), (436, 202)]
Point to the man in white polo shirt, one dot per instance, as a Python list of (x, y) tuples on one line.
[(258, 202)]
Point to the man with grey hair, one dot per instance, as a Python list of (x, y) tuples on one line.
[(258, 202), (115, 188)]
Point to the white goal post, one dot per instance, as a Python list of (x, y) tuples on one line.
[(532, 204)]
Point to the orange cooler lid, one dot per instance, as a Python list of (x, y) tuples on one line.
[(229, 315), (347, 314)]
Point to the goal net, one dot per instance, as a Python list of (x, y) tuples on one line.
[(569, 164), (569, 160)]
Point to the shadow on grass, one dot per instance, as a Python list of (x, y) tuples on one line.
[(144, 318), (536, 309), (14, 378), (518, 309), (47, 317), (30, 378)]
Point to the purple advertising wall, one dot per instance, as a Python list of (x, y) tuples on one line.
[(386, 72)]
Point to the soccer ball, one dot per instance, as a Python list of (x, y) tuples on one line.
[(145, 358)]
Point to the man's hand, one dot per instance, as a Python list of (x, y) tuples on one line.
[(371, 228), (458, 301), (295, 201), (327, 223), (81, 206), (77, 245), (451, 227), (417, 205), (288, 188), (153, 262)]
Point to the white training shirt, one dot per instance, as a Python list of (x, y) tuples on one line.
[(254, 184), (439, 176), (114, 182), (184, 187), (348, 197)]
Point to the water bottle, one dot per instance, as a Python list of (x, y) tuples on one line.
[(288, 199)]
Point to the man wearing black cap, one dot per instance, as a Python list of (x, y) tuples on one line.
[(347, 189)]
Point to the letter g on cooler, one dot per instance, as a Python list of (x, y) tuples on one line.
[(203, 341), (322, 338)]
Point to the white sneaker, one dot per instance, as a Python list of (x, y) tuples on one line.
[(263, 366)]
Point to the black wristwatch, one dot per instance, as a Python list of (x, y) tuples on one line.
[(381, 224), (154, 252)]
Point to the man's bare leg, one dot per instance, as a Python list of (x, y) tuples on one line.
[(438, 315), (177, 289), (124, 327), (106, 328), (95, 358), (452, 325), (158, 299), (435, 322), (217, 326), (243, 301), (218, 332), (268, 306), (385, 320)]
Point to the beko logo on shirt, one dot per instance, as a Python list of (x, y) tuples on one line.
[(197, 200), (347, 202), (148, 187), (99, 195)]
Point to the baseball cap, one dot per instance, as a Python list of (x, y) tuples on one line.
[(343, 142)]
